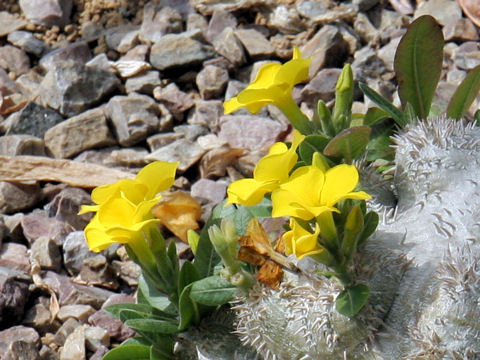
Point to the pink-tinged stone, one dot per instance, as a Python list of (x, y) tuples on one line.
[(38, 224), (115, 328), (14, 256)]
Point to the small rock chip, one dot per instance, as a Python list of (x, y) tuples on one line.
[(65, 206), (207, 113), (444, 11), (209, 190), (220, 21), (75, 252), (321, 87), (78, 52), (47, 12), (96, 338), (212, 81), (14, 256), (19, 343), (144, 83), (115, 328), (175, 100), (10, 22), (46, 253), (12, 145), (159, 20), (14, 296), (78, 312), (255, 43), (74, 346), (15, 197), (228, 45), (14, 59), (27, 42), (38, 224)]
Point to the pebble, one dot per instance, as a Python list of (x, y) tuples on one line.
[(206, 113), (115, 328), (10, 23), (219, 21), (460, 30), (144, 83), (39, 317), (78, 52), (14, 295), (14, 59), (75, 252), (46, 253), (38, 224), (255, 43), (65, 330), (228, 45), (444, 11), (19, 343), (321, 87), (212, 81), (79, 133), (467, 56), (209, 190), (15, 197), (47, 12), (7, 85), (158, 21), (65, 206), (13, 145), (96, 338), (122, 38), (74, 346), (175, 100), (14, 256), (78, 312)]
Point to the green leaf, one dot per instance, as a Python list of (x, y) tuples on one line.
[(212, 291), (262, 210), (188, 309), (380, 144), (115, 309), (163, 350), (310, 145), (153, 326), (241, 218), (154, 297), (383, 104), (325, 118), (418, 64), (370, 224), (206, 257), (351, 300), (188, 274), (130, 352), (410, 115), (343, 99), (349, 143), (374, 115), (464, 95)]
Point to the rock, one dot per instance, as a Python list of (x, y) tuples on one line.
[(39, 316), (191, 132), (9, 23), (47, 353), (286, 20), (14, 59), (130, 157), (460, 30), (33, 119), (15, 197), (175, 100), (444, 11), (209, 190), (122, 38), (327, 49), (115, 328), (128, 271), (74, 347), (38, 224), (7, 85), (19, 343), (78, 312), (101, 62), (186, 152), (66, 205), (177, 50), (12, 145), (75, 252), (47, 12), (133, 117), (79, 133), (46, 253), (206, 113), (228, 45), (91, 31), (14, 295), (321, 87), (100, 353), (249, 131), (255, 43), (129, 68), (387, 53), (365, 29), (12, 227), (220, 21), (14, 256), (96, 271), (365, 5), (96, 338), (139, 52), (73, 88), (467, 56), (197, 22), (212, 81), (158, 21), (367, 64), (78, 52), (29, 84), (143, 83), (65, 330)]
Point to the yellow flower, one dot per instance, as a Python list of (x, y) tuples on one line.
[(270, 171), (301, 242), (309, 192), (272, 85), (123, 209)]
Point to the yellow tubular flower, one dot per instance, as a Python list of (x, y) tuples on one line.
[(270, 171), (309, 192), (272, 85), (301, 242)]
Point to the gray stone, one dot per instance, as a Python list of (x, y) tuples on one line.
[(122, 38), (14, 256), (39, 317), (312, 9), (7, 85), (321, 87), (365, 5), (12, 145), (128, 271), (65, 207), (460, 30), (78, 52), (133, 117), (158, 21), (38, 224), (47, 353), (15, 197), (10, 22), (75, 251), (14, 295), (74, 346), (19, 343), (209, 190), (139, 52), (220, 21), (144, 83), (101, 62), (191, 131), (367, 64), (131, 157), (467, 56), (79, 133), (186, 152), (387, 53), (29, 83), (65, 330), (228, 45), (159, 140), (212, 81), (327, 49), (73, 88), (197, 22), (47, 12), (96, 338), (34, 120), (13, 227), (115, 328), (255, 43), (365, 29), (286, 20), (206, 113), (100, 353), (249, 131), (46, 253), (78, 312), (444, 11), (14, 59), (175, 100), (177, 50), (91, 31), (96, 271)]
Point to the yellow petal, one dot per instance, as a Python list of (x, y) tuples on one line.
[(120, 232), (265, 76), (157, 176), (285, 203), (296, 53), (339, 182), (88, 208), (306, 183), (116, 212), (293, 72), (231, 105), (132, 189), (248, 192), (97, 239)]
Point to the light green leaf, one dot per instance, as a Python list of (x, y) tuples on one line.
[(370, 225), (188, 309), (349, 143), (212, 291), (383, 104), (418, 64), (464, 95), (310, 145), (154, 297), (153, 326), (130, 352), (262, 210), (374, 115), (351, 300), (241, 218), (188, 275)]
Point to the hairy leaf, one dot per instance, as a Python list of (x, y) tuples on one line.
[(351, 300), (212, 291)]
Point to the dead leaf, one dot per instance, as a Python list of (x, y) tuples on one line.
[(12, 103), (250, 256), (216, 161), (37, 168), (179, 212), (270, 274), (256, 238)]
